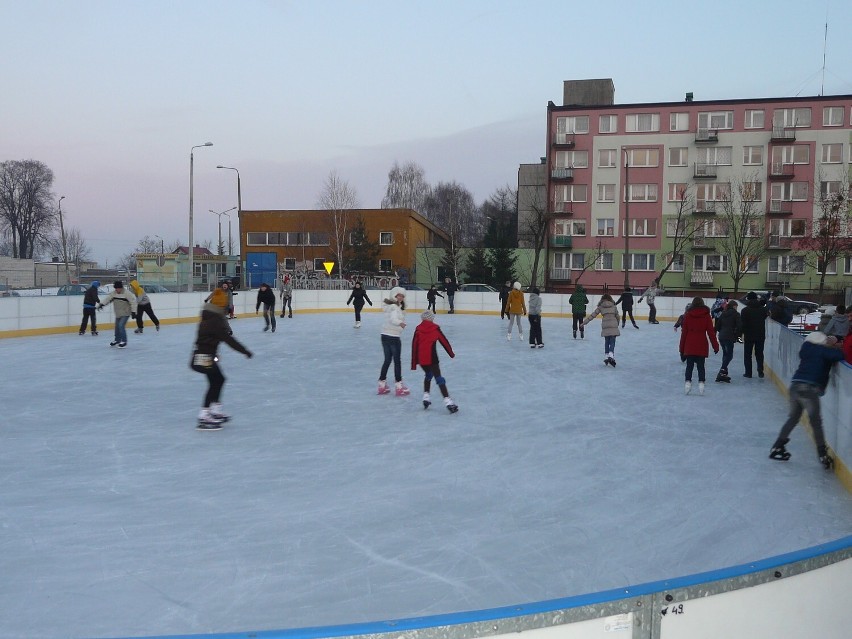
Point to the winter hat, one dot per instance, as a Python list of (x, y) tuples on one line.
[(397, 290), (517, 286), (536, 291), (751, 296), (117, 284), (427, 315), (219, 299), (96, 284), (816, 338)]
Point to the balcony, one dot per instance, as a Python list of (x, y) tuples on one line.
[(563, 139), (783, 134), (703, 170), (563, 208), (777, 242), (705, 208), (707, 136), (701, 278), (781, 171), (703, 243), (562, 275), (560, 241), (562, 173), (780, 207)]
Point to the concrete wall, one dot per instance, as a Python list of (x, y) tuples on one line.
[(16, 273)]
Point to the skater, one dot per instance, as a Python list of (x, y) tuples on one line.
[(515, 307), (816, 357), (424, 351), (719, 305), (394, 307), (838, 325), (626, 301), (266, 297), (286, 291), (680, 317), (779, 308), (753, 322), (608, 311), (226, 286), (90, 303), (503, 296), (729, 327), (124, 307), (697, 328), (143, 305), (450, 288), (213, 329), (357, 297), (431, 294), (535, 320), (578, 301), (651, 294)]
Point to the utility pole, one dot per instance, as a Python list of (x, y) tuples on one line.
[(64, 244)]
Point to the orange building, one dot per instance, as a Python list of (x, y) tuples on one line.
[(273, 242)]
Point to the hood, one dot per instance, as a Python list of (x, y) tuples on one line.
[(137, 288), (698, 311), (579, 289), (606, 304), (96, 284), (816, 338)]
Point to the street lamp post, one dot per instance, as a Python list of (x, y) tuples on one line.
[(162, 260), (219, 246), (230, 245), (191, 239), (239, 203), (64, 244), (626, 219)]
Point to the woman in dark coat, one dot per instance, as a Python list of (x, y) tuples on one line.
[(696, 329), (357, 298), (730, 327)]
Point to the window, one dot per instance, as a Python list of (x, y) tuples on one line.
[(790, 192), (561, 227), (562, 261), (752, 155), (643, 227), (577, 227), (606, 192), (677, 191), (641, 261), (749, 264), (706, 195), (643, 157), (385, 266), (678, 156), (641, 192), (752, 191), (607, 158), (792, 117), (678, 264), (385, 238), (608, 124), (572, 159), (716, 120), (289, 263), (830, 268), (754, 119), (677, 228), (318, 264), (571, 193), (714, 156), (573, 124), (786, 264), (832, 116), (847, 265), (256, 239), (606, 226), (714, 228), (828, 189), (791, 154), (832, 153), (642, 122), (709, 262), (604, 262), (317, 239), (787, 228), (679, 122)]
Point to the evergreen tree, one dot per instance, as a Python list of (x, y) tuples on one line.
[(362, 254), (477, 267), (502, 262), (451, 263)]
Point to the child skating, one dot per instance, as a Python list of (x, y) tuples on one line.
[(431, 297), (90, 303), (609, 326), (424, 352), (515, 307)]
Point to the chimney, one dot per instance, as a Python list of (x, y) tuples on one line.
[(689, 97)]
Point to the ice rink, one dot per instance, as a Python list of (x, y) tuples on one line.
[(322, 503)]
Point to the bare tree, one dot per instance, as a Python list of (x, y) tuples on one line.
[(590, 258), (536, 224), (450, 207), (741, 219), (407, 188), (78, 250), (682, 228), (338, 199), (27, 207), (499, 216)]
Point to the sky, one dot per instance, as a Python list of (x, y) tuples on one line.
[(112, 96)]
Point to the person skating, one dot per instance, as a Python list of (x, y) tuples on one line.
[(431, 296), (753, 321), (124, 305), (816, 357), (680, 317), (503, 296), (838, 325), (534, 317), (450, 288), (143, 305), (515, 307), (626, 301), (90, 303), (266, 297), (357, 297), (608, 311), (578, 301), (212, 330), (228, 288), (286, 291), (729, 327), (394, 308), (650, 295), (696, 329), (424, 352)]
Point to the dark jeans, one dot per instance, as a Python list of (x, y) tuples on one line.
[(804, 397), (215, 381), (451, 298), (535, 329), (145, 308), (392, 347), (696, 361), (577, 321), (652, 312), (430, 306), (358, 308), (89, 313), (727, 352), (286, 303), (609, 344), (120, 331), (268, 314), (757, 347), (434, 370), (624, 313)]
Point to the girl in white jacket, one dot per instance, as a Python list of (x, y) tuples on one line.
[(394, 308)]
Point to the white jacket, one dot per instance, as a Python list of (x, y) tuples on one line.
[(394, 318)]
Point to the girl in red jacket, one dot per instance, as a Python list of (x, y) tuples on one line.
[(696, 329), (424, 351)]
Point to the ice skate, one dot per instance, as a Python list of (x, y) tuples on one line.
[(94, 332), (541, 345), (612, 361), (687, 388), (521, 336), (451, 405), (113, 343), (358, 324), (273, 329), (508, 337), (427, 401), (265, 328), (582, 334), (157, 328), (575, 334), (81, 333), (722, 376), (217, 412), (700, 388), (383, 388), (206, 421), (402, 390), (825, 459), (779, 451), (122, 344), (138, 331)]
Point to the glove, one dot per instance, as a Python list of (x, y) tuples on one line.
[(682, 357), (133, 316)]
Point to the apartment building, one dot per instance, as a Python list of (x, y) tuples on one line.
[(626, 183)]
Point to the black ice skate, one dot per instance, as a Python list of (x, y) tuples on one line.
[(723, 377), (138, 331), (427, 401), (451, 405), (825, 459), (779, 451)]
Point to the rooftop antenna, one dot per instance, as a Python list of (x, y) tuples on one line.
[(824, 46)]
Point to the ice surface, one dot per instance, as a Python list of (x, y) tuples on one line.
[(323, 503)]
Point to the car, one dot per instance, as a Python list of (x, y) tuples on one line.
[(798, 307), (477, 288), (73, 289)]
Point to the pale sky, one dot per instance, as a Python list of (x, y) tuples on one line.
[(112, 95)]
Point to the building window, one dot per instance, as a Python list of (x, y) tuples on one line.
[(710, 262), (791, 154), (830, 268), (786, 264), (677, 191), (577, 227), (317, 239), (714, 156), (678, 264), (847, 265), (792, 117), (572, 159), (679, 122), (787, 228), (289, 263), (752, 191), (606, 226), (256, 239), (643, 227), (829, 189), (643, 157), (386, 238), (790, 191), (385, 266), (571, 193), (678, 156), (608, 124), (606, 192), (573, 124), (607, 158), (318, 264), (714, 228), (752, 155), (642, 122), (832, 116), (676, 228), (832, 153), (641, 192), (754, 119), (750, 264), (604, 262), (716, 120), (642, 261)]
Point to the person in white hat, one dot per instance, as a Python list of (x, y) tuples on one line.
[(394, 307)]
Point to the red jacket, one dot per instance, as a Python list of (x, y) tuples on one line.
[(697, 327), (424, 345), (847, 348)]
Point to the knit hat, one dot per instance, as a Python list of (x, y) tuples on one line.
[(117, 284), (536, 291), (218, 302), (397, 290), (816, 338), (751, 296), (96, 284), (427, 315), (517, 286)]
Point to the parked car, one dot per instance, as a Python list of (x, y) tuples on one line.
[(477, 288), (73, 289), (798, 307)]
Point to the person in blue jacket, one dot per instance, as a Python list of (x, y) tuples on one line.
[(816, 357)]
